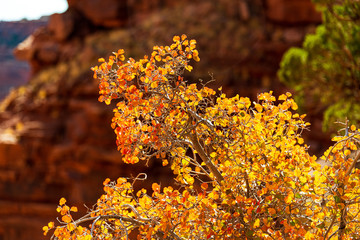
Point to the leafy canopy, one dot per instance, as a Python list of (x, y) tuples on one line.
[(325, 70), (243, 169)]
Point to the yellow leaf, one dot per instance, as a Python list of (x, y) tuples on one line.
[(154, 84), (62, 201), (145, 201), (70, 227), (303, 179), (79, 230), (88, 237), (337, 138), (256, 223), (73, 209), (289, 198), (165, 162), (45, 229), (158, 58), (121, 181), (107, 101), (227, 163), (294, 106), (297, 172), (189, 68), (308, 212), (258, 108), (282, 97), (51, 224)]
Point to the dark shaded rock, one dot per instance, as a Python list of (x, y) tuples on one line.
[(292, 11), (107, 13)]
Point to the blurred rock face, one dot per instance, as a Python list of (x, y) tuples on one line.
[(55, 138), (14, 72)]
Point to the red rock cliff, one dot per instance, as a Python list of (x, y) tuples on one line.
[(55, 138)]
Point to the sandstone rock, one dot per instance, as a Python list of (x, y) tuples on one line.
[(293, 35), (48, 53), (244, 10), (69, 25), (40, 49), (11, 150), (61, 25), (292, 11), (24, 51), (107, 13)]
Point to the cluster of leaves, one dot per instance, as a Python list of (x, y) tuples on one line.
[(326, 70), (243, 169)]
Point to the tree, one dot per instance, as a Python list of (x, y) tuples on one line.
[(325, 70), (243, 169)]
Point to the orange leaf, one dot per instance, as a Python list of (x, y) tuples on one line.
[(272, 211), (176, 38), (106, 181), (156, 187), (204, 186), (66, 219)]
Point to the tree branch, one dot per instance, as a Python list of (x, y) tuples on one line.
[(199, 149)]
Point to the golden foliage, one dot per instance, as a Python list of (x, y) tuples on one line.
[(243, 168)]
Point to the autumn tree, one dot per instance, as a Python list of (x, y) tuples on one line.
[(325, 71), (243, 169)]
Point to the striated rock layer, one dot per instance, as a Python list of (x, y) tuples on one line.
[(55, 138)]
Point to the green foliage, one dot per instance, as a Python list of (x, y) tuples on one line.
[(326, 69)]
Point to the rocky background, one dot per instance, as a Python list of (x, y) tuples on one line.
[(14, 72), (55, 138)]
